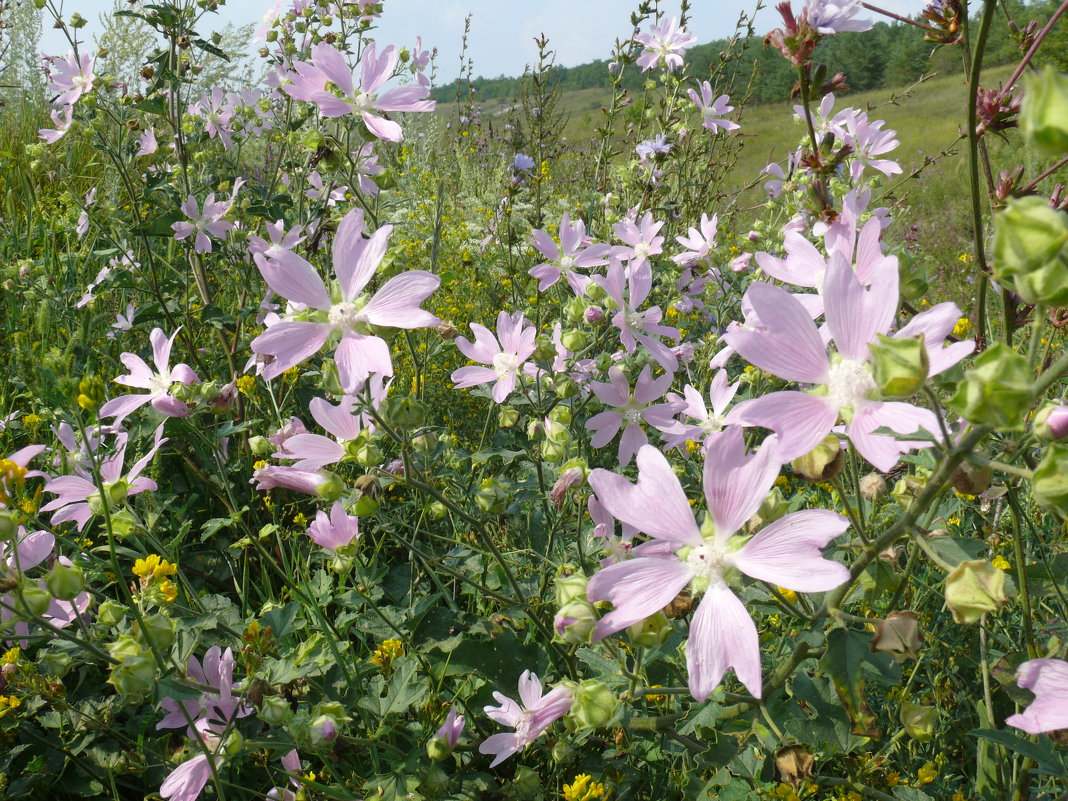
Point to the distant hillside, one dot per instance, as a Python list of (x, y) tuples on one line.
[(887, 55)]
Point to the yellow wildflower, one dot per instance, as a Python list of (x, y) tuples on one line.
[(789, 595), (387, 652), (583, 788), (963, 326), (32, 420), (259, 464), (926, 774), (10, 657), (154, 566), (1001, 563), (7, 703), (169, 590), (246, 385)]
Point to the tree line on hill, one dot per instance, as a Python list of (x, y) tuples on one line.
[(888, 55)]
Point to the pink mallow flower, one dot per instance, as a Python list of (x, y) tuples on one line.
[(506, 357), (207, 221), (705, 423), (665, 44), (451, 729), (291, 764), (313, 451), (781, 338), (638, 327), (335, 531), (344, 311), (61, 118), (158, 383), (77, 497), (71, 77), (187, 781), (216, 707), (537, 713), (631, 409), (326, 81), (683, 554), (700, 241), (573, 254), (712, 111), (1048, 680), (834, 16)]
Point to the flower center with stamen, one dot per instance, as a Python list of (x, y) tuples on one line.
[(505, 364), (641, 250), (159, 384), (707, 561), (849, 383), (364, 102), (344, 315), (632, 415), (567, 262), (523, 727)]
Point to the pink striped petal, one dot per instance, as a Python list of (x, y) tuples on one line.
[(787, 552), (722, 636), (637, 588)]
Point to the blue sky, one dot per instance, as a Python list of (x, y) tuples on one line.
[(501, 30)]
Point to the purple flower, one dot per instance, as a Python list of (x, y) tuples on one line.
[(631, 409), (451, 729), (71, 77), (665, 44), (700, 241), (1048, 680), (187, 781), (682, 554), (147, 144), (77, 497), (705, 424), (61, 118), (653, 147), (712, 111), (834, 16), (213, 709), (157, 383), (573, 253), (522, 162), (291, 764), (781, 338), (505, 358), (537, 713), (640, 240), (335, 531), (207, 221), (326, 80), (345, 311), (638, 327)]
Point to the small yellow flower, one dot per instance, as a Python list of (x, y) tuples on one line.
[(299, 519), (964, 257), (583, 788), (7, 703), (926, 774), (169, 590), (1001, 563), (154, 566), (962, 327), (246, 385), (789, 595), (386, 653), (10, 657), (32, 420), (292, 373), (893, 779), (259, 464), (656, 698)]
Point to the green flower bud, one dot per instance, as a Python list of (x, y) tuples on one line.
[(899, 365), (1051, 423), (405, 412), (54, 664), (773, 507), (110, 613), (595, 292), (974, 588), (575, 340), (438, 749), (158, 631), (919, 721), (260, 445), (135, 672), (594, 705), (1030, 250), (565, 386), (333, 489), (1049, 483), (570, 587), (1044, 112), (560, 414), (9, 525), (996, 391), (34, 600), (553, 451), (275, 710), (525, 783), (507, 417), (908, 488), (365, 506), (77, 20), (124, 523), (652, 631), (65, 581), (437, 510), (492, 498), (575, 310), (364, 449), (823, 462), (425, 443), (575, 622), (562, 751)]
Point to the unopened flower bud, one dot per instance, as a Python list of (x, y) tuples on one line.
[(525, 783), (996, 391), (1049, 482), (823, 462), (275, 711), (898, 635), (259, 445), (55, 664), (9, 525), (133, 674), (575, 340), (332, 489), (1031, 250), (405, 411), (507, 417), (919, 721), (323, 731), (652, 631), (974, 588), (65, 582), (899, 365), (491, 497), (34, 601), (575, 622), (593, 707), (110, 613), (594, 315), (157, 631), (1051, 423), (1044, 115)]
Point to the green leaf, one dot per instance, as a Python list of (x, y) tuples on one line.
[(1041, 752), (846, 651), (959, 549)]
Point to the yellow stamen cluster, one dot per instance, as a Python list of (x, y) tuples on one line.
[(583, 788), (11, 474)]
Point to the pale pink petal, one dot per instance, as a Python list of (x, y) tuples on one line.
[(787, 552), (785, 341), (882, 450), (722, 636), (356, 260), (800, 420), (466, 377), (396, 304), (292, 277), (735, 482), (1048, 680), (290, 343), (359, 356), (637, 588), (123, 405)]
